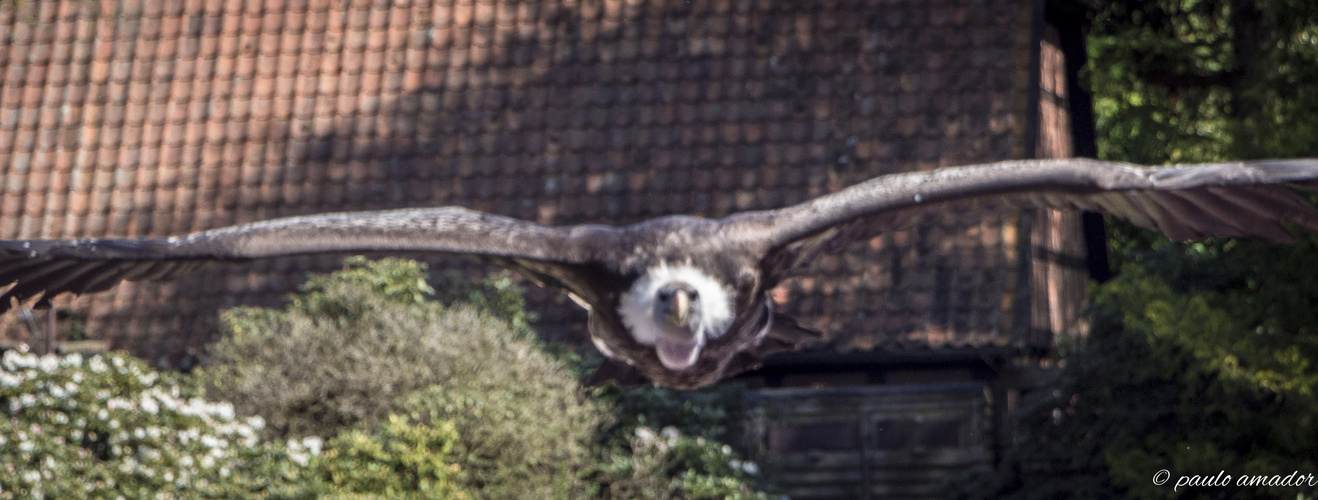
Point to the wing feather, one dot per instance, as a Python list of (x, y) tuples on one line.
[(105, 277), (1125, 205), (1219, 208), (1186, 202), (34, 276), (51, 267), (1179, 220)]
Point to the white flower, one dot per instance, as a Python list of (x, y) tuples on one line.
[(31, 476), (49, 363), (750, 468), (74, 359), (210, 441), (7, 380), (97, 364), (224, 411), (313, 444), (102, 414), (727, 450), (150, 405), (645, 433)]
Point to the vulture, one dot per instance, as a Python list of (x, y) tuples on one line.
[(682, 300)]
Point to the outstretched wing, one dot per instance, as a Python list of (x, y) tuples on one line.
[(51, 267), (1185, 202)]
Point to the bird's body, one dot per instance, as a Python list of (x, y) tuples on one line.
[(682, 299)]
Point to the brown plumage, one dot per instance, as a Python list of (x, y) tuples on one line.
[(747, 253)]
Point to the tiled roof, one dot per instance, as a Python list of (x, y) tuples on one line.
[(135, 118)]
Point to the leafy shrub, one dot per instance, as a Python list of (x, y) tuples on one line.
[(337, 357), (713, 413), (361, 344), (107, 426), (670, 465), (405, 460), (1198, 362), (528, 440)]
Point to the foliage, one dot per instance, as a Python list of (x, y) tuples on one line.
[(713, 413), (358, 345), (526, 428), (422, 401), (500, 296), (1198, 360), (405, 460), (697, 456), (674, 466), (108, 426), (337, 357), (333, 295), (1194, 80), (1195, 367)]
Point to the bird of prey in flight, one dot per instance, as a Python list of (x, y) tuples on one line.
[(682, 299)]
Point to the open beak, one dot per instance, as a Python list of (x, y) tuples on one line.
[(681, 308), (678, 355), (679, 352)]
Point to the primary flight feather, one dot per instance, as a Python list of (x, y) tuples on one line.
[(683, 299)]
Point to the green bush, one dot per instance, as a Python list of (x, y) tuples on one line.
[(670, 465), (714, 413), (337, 357), (1198, 363), (361, 344), (108, 426), (405, 460)]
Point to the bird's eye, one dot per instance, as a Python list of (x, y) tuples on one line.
[(663, 297), (694, 295)]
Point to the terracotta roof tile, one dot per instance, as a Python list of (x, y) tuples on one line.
[(184, 114)]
